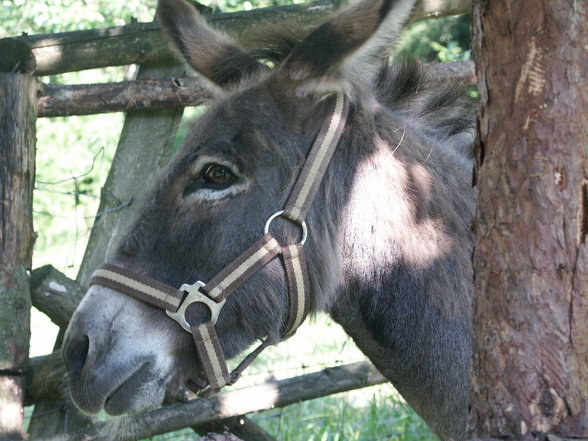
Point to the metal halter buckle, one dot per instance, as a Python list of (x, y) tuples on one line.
[(195, 296), (280, 213)]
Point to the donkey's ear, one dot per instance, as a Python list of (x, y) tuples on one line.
[(207, 50), (350, 47)]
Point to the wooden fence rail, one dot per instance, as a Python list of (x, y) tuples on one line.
[(232, 403), (142, 42), (86, 99)]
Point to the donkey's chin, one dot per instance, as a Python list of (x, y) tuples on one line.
[(131, 397), (142, 390)]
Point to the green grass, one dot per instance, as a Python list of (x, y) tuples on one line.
[(374, 413), (345, 417), (369, 414)]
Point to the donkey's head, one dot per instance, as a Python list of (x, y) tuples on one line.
[(236, 169)]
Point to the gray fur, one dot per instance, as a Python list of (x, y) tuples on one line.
[(389, 247)]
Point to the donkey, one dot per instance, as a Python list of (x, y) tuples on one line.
[(387, 235)]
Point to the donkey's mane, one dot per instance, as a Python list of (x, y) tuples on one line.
[(442, 110)]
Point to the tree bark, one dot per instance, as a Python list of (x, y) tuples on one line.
[(530, 372), (18, 113), (141, 43), (241, 426)]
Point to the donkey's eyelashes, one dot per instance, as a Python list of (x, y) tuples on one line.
[(212, 177), (216, 175)]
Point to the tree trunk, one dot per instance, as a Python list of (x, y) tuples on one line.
[(18, 114), (531, 323)]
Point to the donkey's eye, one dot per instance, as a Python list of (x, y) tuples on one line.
[(213, 177), (217, 176)]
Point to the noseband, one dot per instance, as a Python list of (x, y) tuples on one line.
[(214, 293)]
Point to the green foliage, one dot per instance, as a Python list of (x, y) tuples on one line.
[(451, 52), (443, 39), (50, 16), (73, 157)]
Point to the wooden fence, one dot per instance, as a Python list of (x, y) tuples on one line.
[(155, 101)]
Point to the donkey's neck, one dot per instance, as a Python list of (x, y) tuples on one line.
[(405, 289)]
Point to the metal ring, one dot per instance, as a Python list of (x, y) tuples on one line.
[(195, 296), (280, 213)]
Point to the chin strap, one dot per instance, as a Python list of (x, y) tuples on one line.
[(214, 293)]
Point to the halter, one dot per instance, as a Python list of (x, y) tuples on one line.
[(214, 293)]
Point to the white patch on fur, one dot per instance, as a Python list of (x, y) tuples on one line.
[(382, 218)]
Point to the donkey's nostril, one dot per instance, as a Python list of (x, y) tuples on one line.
[(75, 352)]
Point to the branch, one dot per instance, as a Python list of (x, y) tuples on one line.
[(143, 42), (241, 426), (55, 294), (232, 403), (85, 99), (46, 379)]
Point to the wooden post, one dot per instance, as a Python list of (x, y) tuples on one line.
[(18, 114), (530, 375)]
